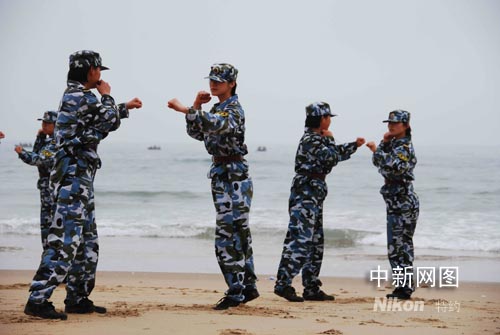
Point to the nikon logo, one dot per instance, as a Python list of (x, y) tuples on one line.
[(395, 305)]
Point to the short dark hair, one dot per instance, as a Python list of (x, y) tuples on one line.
[(233, 90), (313, 121), (78, 74)]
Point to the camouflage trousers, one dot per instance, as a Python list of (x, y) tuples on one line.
[(402, 216), (232, 195), (73, 247), (45, 209), (304, 242)]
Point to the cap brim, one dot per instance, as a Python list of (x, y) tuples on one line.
[(332, 115), (39, 119), (214, 78), (104, 68)]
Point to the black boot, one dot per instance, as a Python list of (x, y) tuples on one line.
[(402, 293), (85, 306), (319, 296), (45, 310), (289, 294), (250, 294), (225, 303)]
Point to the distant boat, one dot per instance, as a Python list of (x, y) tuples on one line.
[(154, 147), (261, 148), (26, 145)]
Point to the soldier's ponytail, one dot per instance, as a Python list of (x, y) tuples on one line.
[(408, 130), (233, 90)]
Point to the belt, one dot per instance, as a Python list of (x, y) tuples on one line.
[(227, 159), (320, 176), (397, 182)]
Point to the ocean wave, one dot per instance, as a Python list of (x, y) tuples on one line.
[(20, 226), (484, 193), (149, 194), (334, 238), (339, 238), (437, 242), (346, 238), (10, 249), (194, 159)]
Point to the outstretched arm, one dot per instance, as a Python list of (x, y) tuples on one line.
[(193, 129), (44, 158)]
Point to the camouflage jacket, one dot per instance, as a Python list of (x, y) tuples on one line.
[(319, 154), (42, 155), (83, 122), (223, 131), (395, 161)]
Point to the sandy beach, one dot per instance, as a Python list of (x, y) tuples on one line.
[(170, 303)]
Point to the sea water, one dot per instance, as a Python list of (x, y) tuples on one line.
[(154, 210)]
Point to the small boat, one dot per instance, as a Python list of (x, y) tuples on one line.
[(154, 147), (26, 145), (261, 148)]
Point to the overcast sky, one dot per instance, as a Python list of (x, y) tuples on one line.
[(437, 59)]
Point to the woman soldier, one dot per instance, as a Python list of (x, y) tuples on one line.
[(42, 157), (395, 159), (73, 245), (303, 248), (223, 131)]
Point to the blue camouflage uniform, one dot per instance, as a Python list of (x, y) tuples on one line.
[(304, 243), (83, 122), (395, 161), (42, 157), (223, 132)]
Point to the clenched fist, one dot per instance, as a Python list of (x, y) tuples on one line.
[(134, 103)]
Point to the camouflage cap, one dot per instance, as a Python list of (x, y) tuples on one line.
[(86, 58), (223, 73), (319, 109), (49, 117), (398, 115)]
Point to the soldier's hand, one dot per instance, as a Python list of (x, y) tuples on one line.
[(103, 87), (387, 137), (176, 105), (18, 149), (360, 141), (134, 103), (372, 146), (201, 98)]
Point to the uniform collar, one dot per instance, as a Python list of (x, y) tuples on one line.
[(75, 84), (404, 140), (311, 131), (222, 105)]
